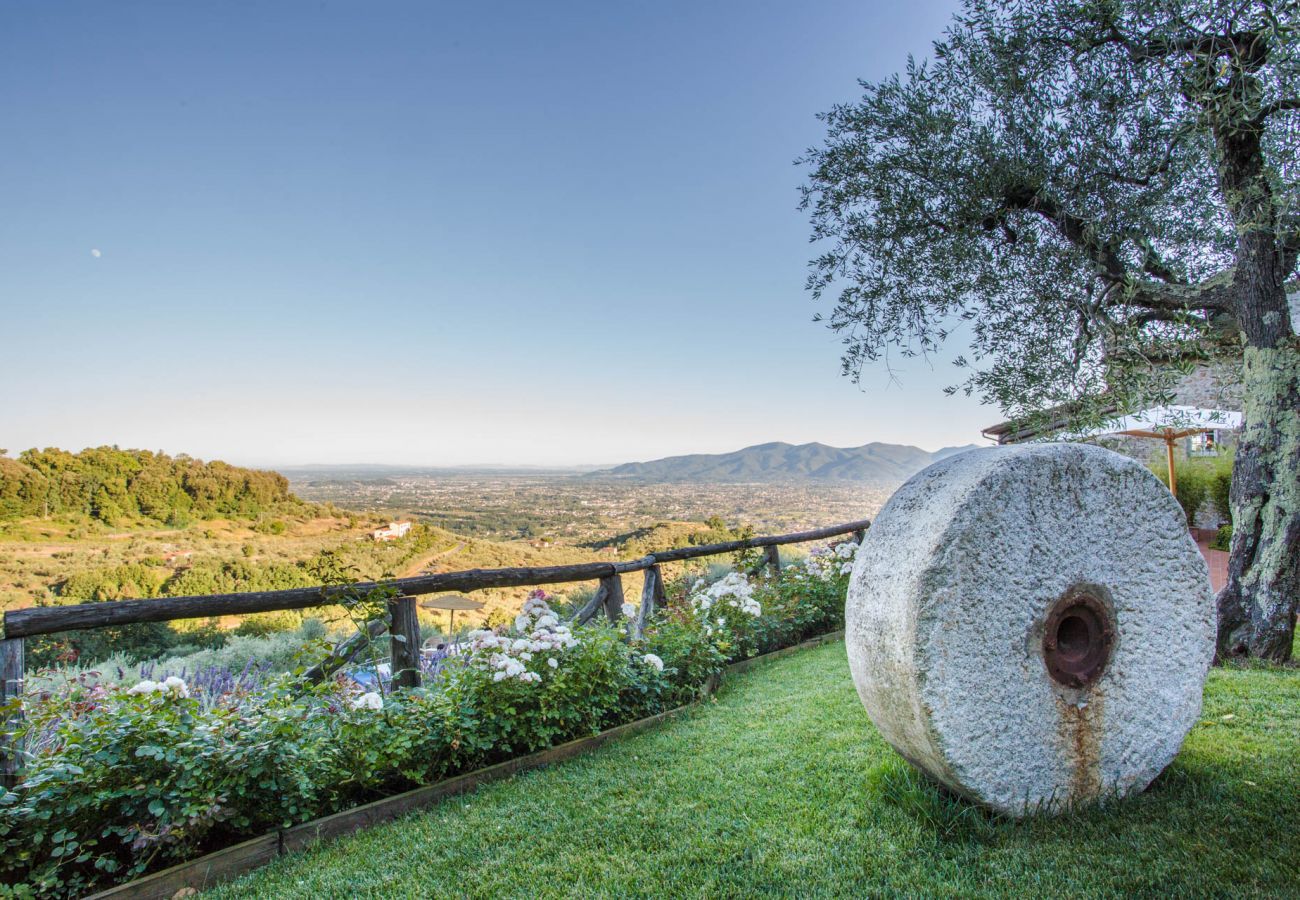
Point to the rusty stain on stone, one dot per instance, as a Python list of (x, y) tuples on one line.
[(1081, 724), (1078, 637)]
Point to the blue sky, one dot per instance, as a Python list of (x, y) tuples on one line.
[(433, 233)]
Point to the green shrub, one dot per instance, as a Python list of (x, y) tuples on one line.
[(135, 643), (262, 624), (1223, 539), (1221, 486), (1196, 480), (138, 580), (134, 780), (690, 658)]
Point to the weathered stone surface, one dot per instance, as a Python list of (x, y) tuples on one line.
[(948, 606)]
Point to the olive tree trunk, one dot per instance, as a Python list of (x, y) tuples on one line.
[(1257, 607)]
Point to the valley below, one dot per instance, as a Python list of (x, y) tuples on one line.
[(461, 520)]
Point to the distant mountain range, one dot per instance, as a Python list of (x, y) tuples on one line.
[(876, 463)]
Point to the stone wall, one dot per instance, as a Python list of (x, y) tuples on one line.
[(1214, 385)]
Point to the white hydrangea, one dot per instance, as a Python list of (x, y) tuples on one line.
[(653, 661), (734, 590), (825, 563), (629, 610), (507, 657), (175, 686), (368, 700), (171, 686), (846, 553)]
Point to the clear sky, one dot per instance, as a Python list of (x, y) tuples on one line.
[(433, 233)]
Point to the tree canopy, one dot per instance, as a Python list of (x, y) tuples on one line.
[(108, 484), (1102, 192), (1054, 177)]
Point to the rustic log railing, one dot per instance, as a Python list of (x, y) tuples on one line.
[(403, 624)]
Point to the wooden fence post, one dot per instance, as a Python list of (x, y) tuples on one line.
[(773, 556), (404, 632), (11, 689), (613, 591), (652, 594), (608, 598), (591, 607)]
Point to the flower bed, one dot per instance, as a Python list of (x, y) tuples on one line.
[(122, 782)]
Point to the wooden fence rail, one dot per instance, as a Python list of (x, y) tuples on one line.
[(402, 624), (24, 623)]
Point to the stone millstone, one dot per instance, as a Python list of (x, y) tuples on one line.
[(1032, 626)]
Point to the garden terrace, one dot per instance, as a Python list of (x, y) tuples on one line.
[(402, 620), (783, 787), (118, 780)]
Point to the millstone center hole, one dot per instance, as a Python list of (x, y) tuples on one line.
[(1077, 640), (1073, 636)]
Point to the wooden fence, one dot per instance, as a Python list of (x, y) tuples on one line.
[(402, 625)]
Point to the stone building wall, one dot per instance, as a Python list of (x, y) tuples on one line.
[(1214, 385)]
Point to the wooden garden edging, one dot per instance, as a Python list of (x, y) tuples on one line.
[(232, 862)]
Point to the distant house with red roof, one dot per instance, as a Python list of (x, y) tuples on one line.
[(391, 532)]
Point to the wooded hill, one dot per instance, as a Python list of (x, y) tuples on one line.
[(109, 484), (777, 461)]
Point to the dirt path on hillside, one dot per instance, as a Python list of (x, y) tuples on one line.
[(420, 565)]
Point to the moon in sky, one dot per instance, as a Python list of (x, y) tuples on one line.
[(95, 253)]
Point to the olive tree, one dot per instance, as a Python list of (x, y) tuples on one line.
[(1095, 196)]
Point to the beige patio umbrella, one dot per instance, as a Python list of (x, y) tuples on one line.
[(1169, 424), (451, 603)]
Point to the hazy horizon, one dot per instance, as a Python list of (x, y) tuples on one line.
[(430, 235), (290, 464)]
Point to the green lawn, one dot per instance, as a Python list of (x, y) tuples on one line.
[(782, 787)]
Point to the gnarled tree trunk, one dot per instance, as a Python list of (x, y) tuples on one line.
[(1257, 607)]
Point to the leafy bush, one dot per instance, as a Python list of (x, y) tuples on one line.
[(133, 643), (129, 780), (690, 658), (131, 580), (262, 624), (201, 649), (1200, 479), (1221, 486), (1223, 539)]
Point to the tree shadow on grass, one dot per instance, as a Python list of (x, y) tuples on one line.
[(1201, 826)]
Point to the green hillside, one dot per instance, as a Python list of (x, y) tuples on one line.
[(669, 535)]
